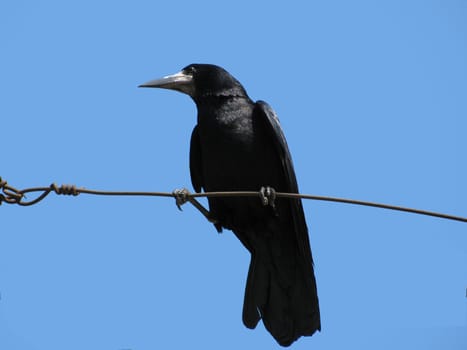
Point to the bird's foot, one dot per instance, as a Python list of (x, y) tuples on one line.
[(181, 197), (268, 196)]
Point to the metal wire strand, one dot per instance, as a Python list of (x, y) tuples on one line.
[(11, 195)]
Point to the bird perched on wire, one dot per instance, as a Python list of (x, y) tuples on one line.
[(238, 145)]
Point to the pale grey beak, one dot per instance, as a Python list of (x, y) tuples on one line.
[(180, 81)]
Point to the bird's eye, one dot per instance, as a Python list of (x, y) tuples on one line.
[(190, 70)]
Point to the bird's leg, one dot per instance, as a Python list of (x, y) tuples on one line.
[(183, 195), (268, 196), (207, 214)]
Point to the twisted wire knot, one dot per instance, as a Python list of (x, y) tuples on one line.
[(68, 190), (9, 194)]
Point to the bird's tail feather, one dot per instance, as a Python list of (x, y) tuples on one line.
[(285, 299)]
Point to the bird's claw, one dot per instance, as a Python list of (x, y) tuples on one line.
[(181, 197), (268, 196)]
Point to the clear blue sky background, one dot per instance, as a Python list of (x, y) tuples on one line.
[(372, 96)]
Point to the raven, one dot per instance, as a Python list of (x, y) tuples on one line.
[(238, 145)]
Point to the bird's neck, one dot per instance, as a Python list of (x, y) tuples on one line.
[(215, 101), (223, 109)]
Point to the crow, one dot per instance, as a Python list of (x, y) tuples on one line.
[(238, 145)]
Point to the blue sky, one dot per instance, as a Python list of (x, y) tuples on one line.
[(372, 99)]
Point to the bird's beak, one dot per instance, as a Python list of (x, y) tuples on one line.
[(180, 81)]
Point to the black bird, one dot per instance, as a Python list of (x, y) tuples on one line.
[(238, 145)]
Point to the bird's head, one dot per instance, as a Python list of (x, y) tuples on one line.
[(200, 81)]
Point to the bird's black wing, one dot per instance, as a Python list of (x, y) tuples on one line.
[(195, 161), (273, 127)]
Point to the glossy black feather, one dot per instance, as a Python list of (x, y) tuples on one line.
[(195, 161)]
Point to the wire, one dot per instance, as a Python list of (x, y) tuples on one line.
[(11, 195)]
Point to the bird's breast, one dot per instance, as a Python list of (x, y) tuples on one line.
[(236, 154)]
